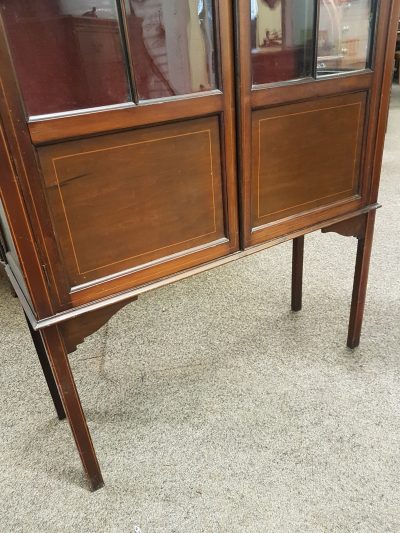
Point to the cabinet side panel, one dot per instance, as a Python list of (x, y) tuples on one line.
[(20, 250)]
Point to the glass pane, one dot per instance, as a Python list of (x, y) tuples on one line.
[(172, 46), (281, 39), (67, 53), (344, 35)]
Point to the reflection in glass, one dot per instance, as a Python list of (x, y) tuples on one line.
[(67, 53), (172, 46), (281, 39), (344, 35)]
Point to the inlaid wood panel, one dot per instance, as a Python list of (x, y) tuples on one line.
[(132, 199), (305, 156)]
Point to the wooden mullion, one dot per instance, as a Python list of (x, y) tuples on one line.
[(127, 50)]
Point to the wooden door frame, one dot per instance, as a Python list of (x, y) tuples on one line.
[(24, 135), (251, 98)]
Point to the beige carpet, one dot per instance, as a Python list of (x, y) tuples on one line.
[(214, 409)]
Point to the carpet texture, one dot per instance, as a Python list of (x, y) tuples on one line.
[(213, 408)]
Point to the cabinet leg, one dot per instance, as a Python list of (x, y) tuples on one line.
[(48, 374), (62, 373), (360, 281), (13, 293), (297, 273)]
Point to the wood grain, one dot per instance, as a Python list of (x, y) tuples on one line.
[(75, 331), (128, 199), (306, 156)]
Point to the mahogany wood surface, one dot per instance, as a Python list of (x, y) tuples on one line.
[(109, 202), (166, 190), (220, 173), (364, 249), (75, 330), (47, 371), (304, 139), (352, 227), (256, 100), (297, 273), (62, 373)]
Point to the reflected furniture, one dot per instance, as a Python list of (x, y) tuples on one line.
[(397, 54), (397, 64), (145, 141)]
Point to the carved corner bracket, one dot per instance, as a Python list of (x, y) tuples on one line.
[(352, 227), (76, 330)]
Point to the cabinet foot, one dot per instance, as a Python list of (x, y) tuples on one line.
[(297, 273)]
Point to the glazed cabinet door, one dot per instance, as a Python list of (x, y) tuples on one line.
[(126, 109), (309, 100)]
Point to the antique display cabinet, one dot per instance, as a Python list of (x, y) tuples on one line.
[(143, 141)]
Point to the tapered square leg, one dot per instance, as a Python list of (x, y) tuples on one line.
[(62, 373), (48, 374), (361, 281), (297, 273)]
